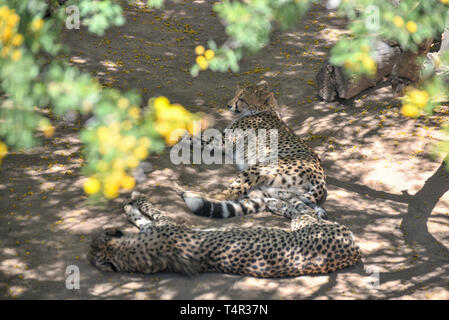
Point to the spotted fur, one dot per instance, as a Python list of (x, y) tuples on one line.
[(295, 175), (310, 246)]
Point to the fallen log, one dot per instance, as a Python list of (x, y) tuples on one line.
[(333, 83), (407, 70)]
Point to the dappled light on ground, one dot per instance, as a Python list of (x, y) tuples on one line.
[(383, 182)]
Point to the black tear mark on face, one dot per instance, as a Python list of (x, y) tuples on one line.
[(237, 105)]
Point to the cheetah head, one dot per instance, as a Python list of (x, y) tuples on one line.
[(103, 250), (253, 99)]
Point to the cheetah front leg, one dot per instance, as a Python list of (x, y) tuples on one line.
[(314, 198), (136, 217), (142, 214), (249, 179)]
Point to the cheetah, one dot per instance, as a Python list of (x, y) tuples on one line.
[(296, 174), (311, 245)]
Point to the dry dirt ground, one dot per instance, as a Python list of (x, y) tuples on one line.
[(382, 182)]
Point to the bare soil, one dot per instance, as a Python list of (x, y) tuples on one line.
[(383, 182)]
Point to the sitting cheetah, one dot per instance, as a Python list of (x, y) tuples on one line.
[(295, 176), (312, 245)]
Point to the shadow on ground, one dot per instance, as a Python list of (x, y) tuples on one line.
[(382, 181)]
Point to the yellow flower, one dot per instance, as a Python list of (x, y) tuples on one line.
[(140, 152), (123, 103), (210, 54), (195, 126), (49, 131), (128, 182), (398, 21), (4, 52), (92, 185), (174, 136), (365, 48), (410, 110), (3, 150), (199, 50), (202, 62), (37, 24), (115, 127), (161, 103), (411, 26), (46, 128), (144, 141), (174, 113), (4, 11), (17, 40), (118, 164), (111, 185), (127, 125), (7, 34), (103, 133), (163, 128), (369, 64), (13, 20), (349, 65), (132, 162), (16, 55), (111, 190), (102, 166), (419, 97), (127, 143), (134, 112), (117, 174)]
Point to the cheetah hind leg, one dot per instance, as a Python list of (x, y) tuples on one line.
[(287, 209), (300, 216), (299, 202), (320, 212)]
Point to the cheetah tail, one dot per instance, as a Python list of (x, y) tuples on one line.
[(222, 209)]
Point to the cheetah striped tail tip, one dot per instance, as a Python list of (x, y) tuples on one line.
[(221, 209), (193, 201)]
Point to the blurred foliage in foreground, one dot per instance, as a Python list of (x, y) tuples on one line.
[(36, 87)]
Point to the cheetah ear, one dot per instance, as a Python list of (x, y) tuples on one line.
[(267, 97), (263, 85), (115, 233)]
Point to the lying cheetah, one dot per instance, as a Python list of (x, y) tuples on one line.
[(295, 176), (312, 245)]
